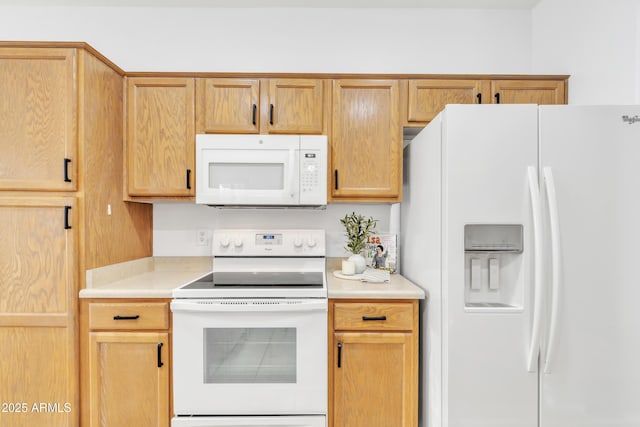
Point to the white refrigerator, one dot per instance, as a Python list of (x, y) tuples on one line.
[(522, 223)]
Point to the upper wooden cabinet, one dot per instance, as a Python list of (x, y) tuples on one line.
[(423, 99), (296, 106), (234, 105), (366, 141), (426, 98), (160, 137), (38, 139), (528, 92), (228, 105)]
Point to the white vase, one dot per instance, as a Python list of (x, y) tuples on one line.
[(359, 262)]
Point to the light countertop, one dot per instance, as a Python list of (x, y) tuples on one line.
[(157, 277), (154, 277), (397, 288)]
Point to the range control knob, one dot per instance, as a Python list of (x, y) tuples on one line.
[(297, 242), (237, 242), (311, 242), (224, 241)]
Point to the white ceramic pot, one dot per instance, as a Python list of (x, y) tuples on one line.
[(359, 262)]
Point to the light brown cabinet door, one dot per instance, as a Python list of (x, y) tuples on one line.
[(129, 379), (426, 98), (37, 312), (296, 106), (37, 253), (366, 141), (528, 92), (160, 136), (38, 128), (372, 380), (228, 105)]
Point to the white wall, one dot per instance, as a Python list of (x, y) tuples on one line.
[(287, 40), (595, 41)]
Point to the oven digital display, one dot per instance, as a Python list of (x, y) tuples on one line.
[(268, 239)]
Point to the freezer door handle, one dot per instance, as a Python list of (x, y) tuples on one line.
[(534, 344), (556, 269)]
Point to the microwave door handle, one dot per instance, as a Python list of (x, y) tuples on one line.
[(293, 173)]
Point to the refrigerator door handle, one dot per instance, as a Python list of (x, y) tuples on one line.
[(534, 344), (556, 254)]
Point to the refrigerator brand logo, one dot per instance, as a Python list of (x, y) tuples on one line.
[(631, 120)]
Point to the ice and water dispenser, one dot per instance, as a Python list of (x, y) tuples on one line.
[(493, 266)]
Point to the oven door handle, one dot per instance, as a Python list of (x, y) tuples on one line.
[(248, 305)]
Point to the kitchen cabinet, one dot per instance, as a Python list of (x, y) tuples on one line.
[(279, 105), (37, 305), (373, 363), (427, 97), (160, 137), (423, 99), (127, 362), (366, 141), (528, 92), (59, 101), (38, 92)]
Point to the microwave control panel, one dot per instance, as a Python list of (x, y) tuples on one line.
[(310, 171)]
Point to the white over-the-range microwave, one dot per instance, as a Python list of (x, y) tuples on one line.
[(261, 170)]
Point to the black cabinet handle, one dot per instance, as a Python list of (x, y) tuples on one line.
[(160, 364), (253, 114), (188, 179), (479, 96), (497, 95), (270, 114), (137, 316), (66, 170), (67, 225), (339, 355), (369, 318), (335, 180)]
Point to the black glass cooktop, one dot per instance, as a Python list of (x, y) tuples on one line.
[(310, 279)]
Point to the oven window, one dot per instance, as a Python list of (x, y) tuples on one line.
[(246, 176), (249, 355)]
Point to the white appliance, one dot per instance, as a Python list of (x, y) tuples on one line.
[(261, 170), (250, 340), (522, 224)]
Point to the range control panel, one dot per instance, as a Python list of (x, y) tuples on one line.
[(277, 243)]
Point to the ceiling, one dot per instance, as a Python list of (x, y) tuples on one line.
[(468, 4)]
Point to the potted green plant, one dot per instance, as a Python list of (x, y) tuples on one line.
[(357, 229)]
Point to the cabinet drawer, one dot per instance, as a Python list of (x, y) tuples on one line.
[(373, 316), (151, 315)]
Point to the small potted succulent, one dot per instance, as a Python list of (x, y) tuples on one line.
[(357, 229)]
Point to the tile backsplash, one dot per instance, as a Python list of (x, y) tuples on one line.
[(176, 225)]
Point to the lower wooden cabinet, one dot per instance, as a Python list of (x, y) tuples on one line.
[(127, 363), (373, 363)]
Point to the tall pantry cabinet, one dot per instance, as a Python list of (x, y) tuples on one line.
[(61, 212)]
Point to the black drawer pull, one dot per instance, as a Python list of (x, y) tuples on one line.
[(137, 316), (368, 318), (339, 355), (479, 96), (188, 179)]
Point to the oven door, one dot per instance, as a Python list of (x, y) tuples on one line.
[(250, 356), (248, 169)]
